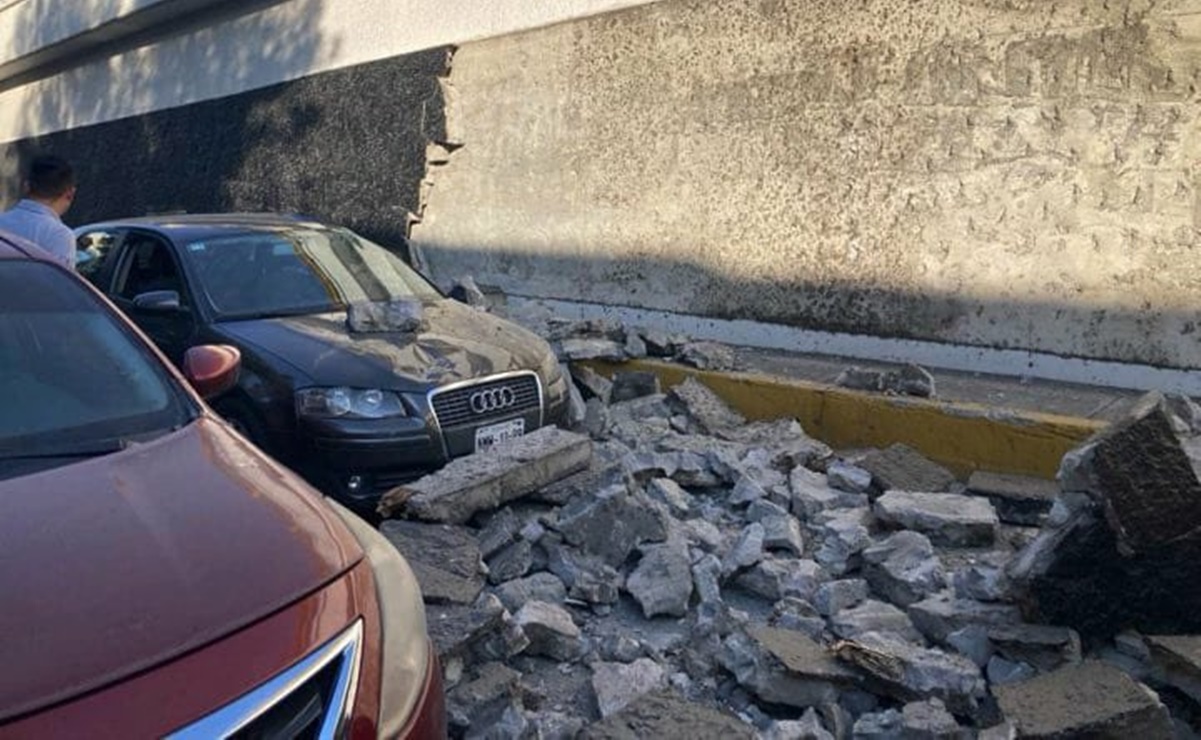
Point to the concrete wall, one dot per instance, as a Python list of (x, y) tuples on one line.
[(1011, 174), (280, 41), (323, 107)]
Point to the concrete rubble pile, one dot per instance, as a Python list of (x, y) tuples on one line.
[(670, 569), (599, 339)]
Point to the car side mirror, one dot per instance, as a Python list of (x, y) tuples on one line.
[(212, 369), (157, 300)]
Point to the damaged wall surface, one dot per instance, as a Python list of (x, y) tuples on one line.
[(1011, 174), (323, 107)]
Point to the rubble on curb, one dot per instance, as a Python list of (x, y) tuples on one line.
[(680, 571), (908, 380)]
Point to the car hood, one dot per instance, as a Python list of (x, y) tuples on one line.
[(459, 343), (116, 564)]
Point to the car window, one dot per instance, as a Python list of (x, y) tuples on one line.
[(297, 271), (92, 251), (71, 373), (148, 267)]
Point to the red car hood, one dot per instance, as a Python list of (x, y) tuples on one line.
[(115, 564)]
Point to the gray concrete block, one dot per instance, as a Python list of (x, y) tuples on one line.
[(488, 480), (1091, 699)]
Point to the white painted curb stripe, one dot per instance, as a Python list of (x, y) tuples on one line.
[(1013, 363)]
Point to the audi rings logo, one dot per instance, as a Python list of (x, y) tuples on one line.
[(492, 399)]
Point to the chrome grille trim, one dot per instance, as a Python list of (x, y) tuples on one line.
[(455, 412), (346, 648)]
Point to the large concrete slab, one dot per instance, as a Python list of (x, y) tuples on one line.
[(445, 559), (490, 479), (946, 518), (1091, 699)]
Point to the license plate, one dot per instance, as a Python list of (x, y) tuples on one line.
[(488, 437)]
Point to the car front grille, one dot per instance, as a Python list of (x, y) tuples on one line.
[(503, 396), (309, 701)]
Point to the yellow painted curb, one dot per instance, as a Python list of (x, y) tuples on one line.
[(963, 437)]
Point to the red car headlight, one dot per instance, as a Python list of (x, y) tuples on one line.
[(404, 661)]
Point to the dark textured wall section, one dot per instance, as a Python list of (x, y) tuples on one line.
[(347, 146)]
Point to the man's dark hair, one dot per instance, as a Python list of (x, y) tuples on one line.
[(50, 176)]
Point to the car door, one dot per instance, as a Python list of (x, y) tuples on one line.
[(149, 286)]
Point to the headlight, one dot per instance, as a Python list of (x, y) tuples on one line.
[(404, 649), (348, 403), (550, 370)]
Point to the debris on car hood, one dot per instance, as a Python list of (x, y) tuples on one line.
[(404, 316)]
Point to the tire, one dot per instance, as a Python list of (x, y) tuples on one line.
[(241, 416)]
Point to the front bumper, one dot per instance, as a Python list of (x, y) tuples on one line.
[(356, 461)]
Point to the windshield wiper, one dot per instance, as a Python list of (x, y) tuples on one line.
[(88, 449)]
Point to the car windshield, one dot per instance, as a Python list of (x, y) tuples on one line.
[(74, 382), (298, 271)]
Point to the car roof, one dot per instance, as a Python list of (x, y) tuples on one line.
[(199, 225)]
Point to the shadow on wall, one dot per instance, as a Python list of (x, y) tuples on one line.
[(347, 146), (1158, 338)]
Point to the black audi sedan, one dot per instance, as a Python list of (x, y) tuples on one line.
[(356, 371)]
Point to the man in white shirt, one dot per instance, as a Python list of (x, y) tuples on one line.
[(49, 192)]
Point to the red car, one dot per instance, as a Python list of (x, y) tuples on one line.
[(159, 575)]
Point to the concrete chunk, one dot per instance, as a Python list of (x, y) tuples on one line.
[(707, 356), (946, 518), (662, 714), (618, 684), (511, 562), (610, 524), (847, 477), (800, 655), (593, 383), (908, 671), (930, 720), (587, 348), (784, 667), (1150, 491), (903, 568), (538, 587), (484, 630), (1043, 647), (628, 385), (783, 532), (902, 468), (941, 614), (705, 407), (445, 559), (874, 616), (550, 630), (1018, 499), (775, 579), (834, 596), (1091, 699), (1177, 661), (812, 494), (1127, 556), (662, 581), (487, 480)]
